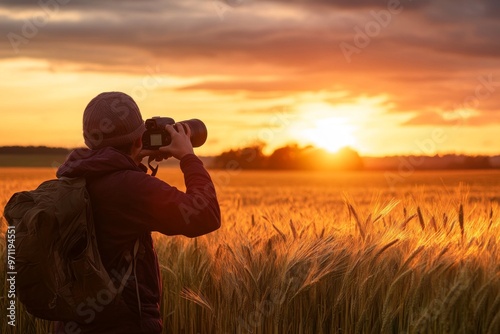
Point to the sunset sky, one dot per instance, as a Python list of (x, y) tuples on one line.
[(384, 77)]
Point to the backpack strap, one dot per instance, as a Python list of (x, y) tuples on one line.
[(136, 248), (154, 170), (129, 270), (133, 264)]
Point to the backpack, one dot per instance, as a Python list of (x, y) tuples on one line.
[(56, 256)]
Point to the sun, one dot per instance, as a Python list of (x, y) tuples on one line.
[(331, 134)]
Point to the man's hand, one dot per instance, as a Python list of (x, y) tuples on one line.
[(181, 141)]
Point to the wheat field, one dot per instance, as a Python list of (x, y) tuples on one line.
[(303, 252)]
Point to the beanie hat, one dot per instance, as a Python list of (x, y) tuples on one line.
[(111, 119)]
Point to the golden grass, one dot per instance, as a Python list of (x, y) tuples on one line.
[(331, 253)]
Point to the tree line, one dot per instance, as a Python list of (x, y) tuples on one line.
[(290, 157), (33, 150), (294, 157)]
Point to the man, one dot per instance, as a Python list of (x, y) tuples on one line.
[(128, 204)]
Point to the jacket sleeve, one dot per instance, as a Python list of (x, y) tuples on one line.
[(172, 212)]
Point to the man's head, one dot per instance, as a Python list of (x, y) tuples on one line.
[(112, 119)]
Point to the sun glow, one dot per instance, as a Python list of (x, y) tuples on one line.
[(327, 126), (330, 134)]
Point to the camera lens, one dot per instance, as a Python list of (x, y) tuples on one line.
[(199, 132)]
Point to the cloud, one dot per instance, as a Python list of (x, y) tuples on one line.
[(459, 118), (192, 30), (358, 4), (125, 4), (428, 57), (118, 5)]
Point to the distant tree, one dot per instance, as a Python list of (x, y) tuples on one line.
[(478, 162), (348, 159), (471, 162), (290, 157), (287, 157), (313, 158), (246, 158), (33, 150)]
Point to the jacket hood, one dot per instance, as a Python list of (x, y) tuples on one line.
[(85, 162)]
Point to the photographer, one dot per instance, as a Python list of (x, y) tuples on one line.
[(128, 204)]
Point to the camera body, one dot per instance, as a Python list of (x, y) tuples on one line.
[(156, 136)]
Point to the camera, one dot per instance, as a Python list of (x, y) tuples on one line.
[(156, 136)]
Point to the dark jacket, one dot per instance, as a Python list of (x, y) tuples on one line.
[(128, 204)]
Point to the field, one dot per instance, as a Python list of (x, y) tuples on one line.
[(302, 252)]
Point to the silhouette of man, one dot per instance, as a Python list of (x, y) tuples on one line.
[(128, 204)]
